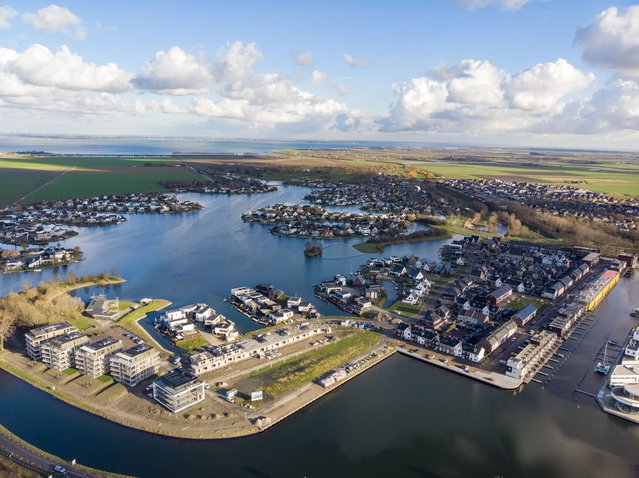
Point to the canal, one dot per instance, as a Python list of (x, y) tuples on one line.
[(402, 418)]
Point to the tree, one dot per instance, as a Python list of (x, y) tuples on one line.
[(70, 278), (7, 326)]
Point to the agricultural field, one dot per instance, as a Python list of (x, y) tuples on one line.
[(31, 179), (607, 172)]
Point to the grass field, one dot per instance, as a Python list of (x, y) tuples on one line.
[(520, 302), (191, 344), (38, 178), (291, 374), (404, 309), (129, 321)]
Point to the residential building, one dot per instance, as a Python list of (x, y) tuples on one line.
[(93, 359), (178, 390), (133, 365), (36, 337), (58, 352)]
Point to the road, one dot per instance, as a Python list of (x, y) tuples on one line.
[(34, 461)]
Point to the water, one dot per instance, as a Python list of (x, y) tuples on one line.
[(403, 418), (138, 145)]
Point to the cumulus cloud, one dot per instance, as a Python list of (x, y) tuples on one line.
[(355, 62), (612, 109), (304, 58), (505, 4), (318, 77), (63, 69), (612, 41), (175, 72), (474, 95), (55, 18), (267, 99), (6, 14), (541, 87)]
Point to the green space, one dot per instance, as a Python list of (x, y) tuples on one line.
[(82, 323), (192, 343), (105, 378), (70, 371), (130, 320), (39, 178), (125, 305), (291, 374), (522, 301), (406, 310)]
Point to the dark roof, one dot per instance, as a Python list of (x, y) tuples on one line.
[(503, 290), (177, 379)]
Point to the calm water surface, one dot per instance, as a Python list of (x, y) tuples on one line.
[(403, 418)]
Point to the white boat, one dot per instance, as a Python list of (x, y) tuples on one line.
[(603, 367)]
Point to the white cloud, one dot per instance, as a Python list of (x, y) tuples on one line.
[(318, 77), (355, 62), (304, 58), (237, 60), (612, 40), (267, 99), (505, 4), (175, 72), (473, 82), (343, 89), (6, 14), (474, 96), (66, 70), (55, 18), (612, 109), (541, 87)]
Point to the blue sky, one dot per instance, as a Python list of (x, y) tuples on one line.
[(509, 72)]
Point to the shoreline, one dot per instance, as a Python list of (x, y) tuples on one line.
[(507, 383), (24, 462), (246, 427)]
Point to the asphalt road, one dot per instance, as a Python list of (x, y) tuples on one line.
[(32, 460)]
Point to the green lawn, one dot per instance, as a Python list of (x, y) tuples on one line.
[(129, 321), (404, 309), (105, 378), (368, 247), (191, 344), (520, 302), (83, 323), (70, 371), (291, 374), (125, 305)]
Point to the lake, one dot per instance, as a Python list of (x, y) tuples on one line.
[(402, 418)]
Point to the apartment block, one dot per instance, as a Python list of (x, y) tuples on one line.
[(37, 336), (133, 365)]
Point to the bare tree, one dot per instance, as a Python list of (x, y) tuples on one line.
[(7, 326)]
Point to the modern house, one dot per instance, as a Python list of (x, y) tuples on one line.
[(178, 390)]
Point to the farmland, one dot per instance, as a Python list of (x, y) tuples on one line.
[(31, 179)]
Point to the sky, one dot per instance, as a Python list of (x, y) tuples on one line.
[(544, 73)]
